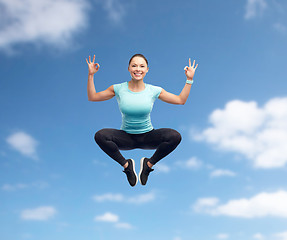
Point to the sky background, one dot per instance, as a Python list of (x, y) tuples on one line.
[(227, 178)]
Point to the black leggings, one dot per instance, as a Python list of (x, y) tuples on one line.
[(164, 140)]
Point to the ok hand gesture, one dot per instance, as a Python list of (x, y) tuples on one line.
[(93, 67), (190, 70)]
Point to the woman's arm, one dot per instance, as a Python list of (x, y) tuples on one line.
[(182, 97), (92, 94)]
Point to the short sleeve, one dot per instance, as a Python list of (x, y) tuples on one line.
[(117, 88), (156, 91)]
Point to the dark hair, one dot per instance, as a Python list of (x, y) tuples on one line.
[(138, 55)]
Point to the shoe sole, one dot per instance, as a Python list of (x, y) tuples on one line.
[(142, 161), (134, 171)]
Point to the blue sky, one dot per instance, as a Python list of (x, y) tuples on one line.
[(227, 178)]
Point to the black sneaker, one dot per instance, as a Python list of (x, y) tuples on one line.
[(144, 172), (131, 173)]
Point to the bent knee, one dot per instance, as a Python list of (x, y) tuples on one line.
[(100, 135), (176, 136)]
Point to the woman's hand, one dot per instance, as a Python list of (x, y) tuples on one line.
[(190, 70), (93, 67)]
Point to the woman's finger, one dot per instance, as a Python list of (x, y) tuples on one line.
[(196, 67), (189, 62), (87, 61), (94, 59), (193, 63)]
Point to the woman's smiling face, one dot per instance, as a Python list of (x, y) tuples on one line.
[(138, 68)]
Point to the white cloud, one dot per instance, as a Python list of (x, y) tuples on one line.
[(204, 204), (23, 143), (260, 134), (39, 214), (142, 198), (281, 236), (139, 199), (254, 8), (115, 9), (221, 173), (19, 186), (109, 197), (222, 236), (49, 21), (113, 218), (177, 238), (10, 187), (160, 167), (123, 225), (281, 28), (192, 163), (258, 236), (107, 217), (261, 205), (100, 163)]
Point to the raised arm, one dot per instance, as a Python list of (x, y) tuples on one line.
[(182, 97), (92, 94)]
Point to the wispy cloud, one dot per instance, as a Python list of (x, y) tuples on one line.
[(113, 218), (23, 143), (260, 134), (107, 217), (281, 236), (161, 167), (222, 236), (222, 173), (142, 198), (205, 203), (195, 164), (177, 238), (115, 10), (39, 214), (14, 187), (123, 225), (192, 163), (46, 21), (261, 205), (258, 236), (254, 8), (20, 186), (280, 27), (111, 197)]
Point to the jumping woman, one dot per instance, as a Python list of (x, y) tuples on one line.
[(135, 99)]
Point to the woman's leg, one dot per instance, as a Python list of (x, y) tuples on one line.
[(112, 140), (164, 140)]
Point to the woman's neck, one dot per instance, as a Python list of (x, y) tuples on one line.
[(136, 85)]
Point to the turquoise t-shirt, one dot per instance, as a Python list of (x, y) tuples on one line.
[(136, 107)]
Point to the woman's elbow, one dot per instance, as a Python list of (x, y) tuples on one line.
[(181, 101), (92, 99)]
